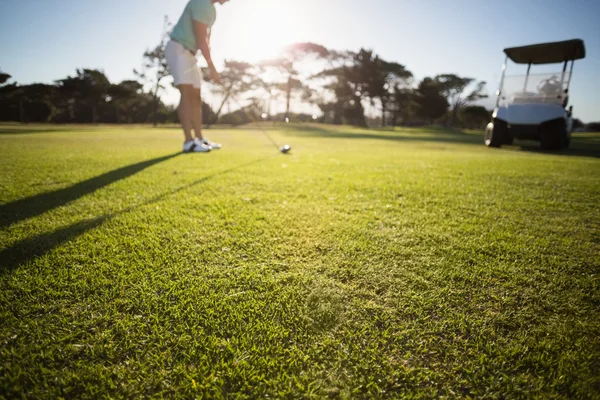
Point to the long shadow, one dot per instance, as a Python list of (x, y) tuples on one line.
[(23, 209), (189, 185), (580, 147), (427, 135), (17, 131), (25, 130), (37, 246)]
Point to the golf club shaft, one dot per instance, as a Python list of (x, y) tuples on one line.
[(259, 126)]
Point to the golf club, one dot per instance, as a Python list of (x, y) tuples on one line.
[(286, 148)]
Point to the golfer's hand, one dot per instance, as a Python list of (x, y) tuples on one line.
[(215, 75)]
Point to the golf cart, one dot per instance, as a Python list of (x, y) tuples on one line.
[(534, 107)]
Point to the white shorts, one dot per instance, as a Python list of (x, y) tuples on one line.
[(183, 65)]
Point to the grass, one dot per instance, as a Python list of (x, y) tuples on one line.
[(365, 264)]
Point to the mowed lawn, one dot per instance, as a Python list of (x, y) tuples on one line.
[(414, 263)]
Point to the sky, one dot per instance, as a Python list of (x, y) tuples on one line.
[(46, 40)]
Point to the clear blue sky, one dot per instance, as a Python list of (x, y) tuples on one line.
[(45, 40)]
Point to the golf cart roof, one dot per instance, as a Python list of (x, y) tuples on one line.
[(547, 53)]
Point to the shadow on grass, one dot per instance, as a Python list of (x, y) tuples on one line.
[(432, 134), (10, 131), (39, 245), (580, 147), (30, 130), (30, 207), (28, 249), (199, 181)]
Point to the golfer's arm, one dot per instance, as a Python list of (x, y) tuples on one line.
[(201, 33)]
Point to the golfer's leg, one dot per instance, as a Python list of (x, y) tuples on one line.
[(182, 65), (196, 112), (185, 110)]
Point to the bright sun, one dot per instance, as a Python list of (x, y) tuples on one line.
[(258, 30)]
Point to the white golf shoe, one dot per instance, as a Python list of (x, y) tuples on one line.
[(195, 146), (212, 145)]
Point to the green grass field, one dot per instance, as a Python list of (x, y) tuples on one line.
[(364, 264)]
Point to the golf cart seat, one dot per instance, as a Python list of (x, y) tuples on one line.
[(529, 97)]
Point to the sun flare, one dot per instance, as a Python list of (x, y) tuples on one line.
[(260, 30)]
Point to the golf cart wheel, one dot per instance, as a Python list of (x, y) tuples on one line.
[(553, 135), (507, 139), (495, 133)]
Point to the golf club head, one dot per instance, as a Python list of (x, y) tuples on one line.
[(285, 148)]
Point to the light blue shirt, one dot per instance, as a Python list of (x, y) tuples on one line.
[(202, 11)]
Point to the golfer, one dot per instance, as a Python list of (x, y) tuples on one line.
[(192, 33)]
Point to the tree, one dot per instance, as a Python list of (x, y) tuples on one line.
[(270, 89), (37, 102), (27, 103), (378, 78), (86, 97), (593, 127), (403, 104), (96, 86), (6, 93), (11, 103), (342, 90), (340, 101), (288, 88), (4, 78), (288, 65), (430, 101), (11, 100), (155, 69), (125, 100), (454, 87), (248, 113), (475, 117), (236, 78), (83, 94), (577, 124)]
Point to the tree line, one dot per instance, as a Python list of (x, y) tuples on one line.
[(348, 87)]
